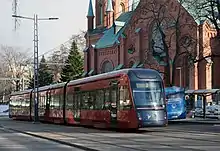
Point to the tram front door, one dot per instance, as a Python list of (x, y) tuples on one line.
[(113, 106)]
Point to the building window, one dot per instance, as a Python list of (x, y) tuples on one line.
[(156, 42), (107, 67), (101, 14), (156, 39), (131, 63), (122, 8)]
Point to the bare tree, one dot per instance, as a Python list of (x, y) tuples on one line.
[(206, 9), (14, 63), (173, 35), (57, 61), (80, 40), (58, 58)]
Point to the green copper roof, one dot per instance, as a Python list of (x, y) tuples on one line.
[(110, 38), (90, 10), (97, 30)]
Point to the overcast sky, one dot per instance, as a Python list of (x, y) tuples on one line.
[(72, 19)]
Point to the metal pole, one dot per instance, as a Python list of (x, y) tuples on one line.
[(22, 83), (180, 77), (180, 72), (36, 84)]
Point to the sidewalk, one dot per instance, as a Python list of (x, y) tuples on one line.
[(78, 137), (197, 121)]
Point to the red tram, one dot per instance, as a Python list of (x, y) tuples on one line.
[(128, 98)]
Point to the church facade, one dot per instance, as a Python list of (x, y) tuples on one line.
[(158, 34)]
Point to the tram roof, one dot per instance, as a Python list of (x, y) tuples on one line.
[(112, 74), (58, 85), (21, 92), (202, 91), (52, 86)]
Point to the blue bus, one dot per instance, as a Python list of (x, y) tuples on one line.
[(176, 104)]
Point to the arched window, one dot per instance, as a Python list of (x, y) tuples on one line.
[(156, 39), (101, 14), (122, 8), (107, 67)]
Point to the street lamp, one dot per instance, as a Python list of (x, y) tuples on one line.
[(179, 68), (36, 93)]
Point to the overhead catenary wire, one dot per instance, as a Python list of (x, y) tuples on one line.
[(66, 42), (71, 38)]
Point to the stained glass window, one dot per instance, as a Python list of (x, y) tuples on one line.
[(157, 43), (107, 67)]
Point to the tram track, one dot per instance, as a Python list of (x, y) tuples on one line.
[(141, 135), (195, 139), (131, 141), (193, 132), (95, 141), (50, 139)]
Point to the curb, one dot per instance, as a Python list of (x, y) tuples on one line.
[(195, 122), (54, 140)]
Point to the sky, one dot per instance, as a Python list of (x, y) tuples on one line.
[(71, 14)]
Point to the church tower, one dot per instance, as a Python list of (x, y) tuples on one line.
[(90, 17), (109, 10)]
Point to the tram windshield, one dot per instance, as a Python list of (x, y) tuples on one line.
[(148, 93)]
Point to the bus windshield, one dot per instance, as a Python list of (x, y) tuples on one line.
[(175, 97), (148, 93)]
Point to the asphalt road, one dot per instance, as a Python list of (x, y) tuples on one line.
[(200, 128), (11, 141), (181, 137)]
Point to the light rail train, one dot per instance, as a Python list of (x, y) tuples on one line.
[(125, 99)]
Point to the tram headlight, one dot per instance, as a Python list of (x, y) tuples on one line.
[(165, 116), (139, 116)]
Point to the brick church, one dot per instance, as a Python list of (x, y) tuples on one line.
[(143, 34)]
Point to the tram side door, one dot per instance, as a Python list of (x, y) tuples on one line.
[(113, 105), (48, 97), (76, 105)]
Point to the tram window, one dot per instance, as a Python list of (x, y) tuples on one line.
[(114, 97), (107, 98), (41, 102), (75, 101), (52, 101), (85, 101), (57, 101), (79, 99), (69, 102), (61, 101), (44, 101), (125, 102), (99, 99), (91, 100)]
